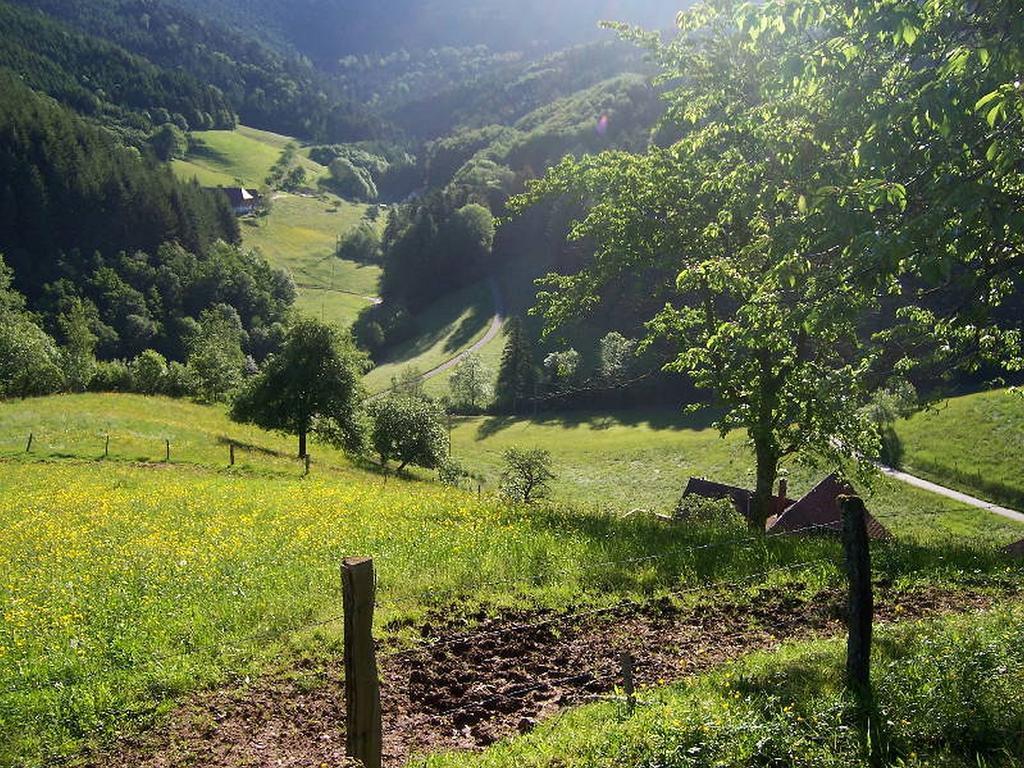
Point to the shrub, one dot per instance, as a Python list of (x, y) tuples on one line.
[(149, 373), (111, 376), (527, 475)]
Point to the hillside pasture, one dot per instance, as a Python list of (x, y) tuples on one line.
[(242, 157), (128, 582), (445, 329), (972, 443)]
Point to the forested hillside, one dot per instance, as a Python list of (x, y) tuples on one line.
[(103, 81), (268, 89), (82, 217)]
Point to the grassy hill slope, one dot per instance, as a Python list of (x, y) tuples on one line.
[(129, 582), (242, 157), (972, 443), (301, 232)]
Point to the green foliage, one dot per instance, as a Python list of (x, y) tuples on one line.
[(361, 245), (30, 363), (149, 373), (562, 367), (616, 358), (470, 384), (451, 474), (78, 352), (104, 81), (527, 475), (265, 88), (798, 196), (310, 386), (215, 358), (169, 142), (352, 182), (518, 376), (408, 430)]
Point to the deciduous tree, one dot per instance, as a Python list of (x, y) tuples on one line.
[(311, 385)]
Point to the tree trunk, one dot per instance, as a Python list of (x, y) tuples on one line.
[(302, 444), (762, 505)]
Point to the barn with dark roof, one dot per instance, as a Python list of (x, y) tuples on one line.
[(818, 510)]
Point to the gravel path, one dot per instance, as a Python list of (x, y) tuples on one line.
[(949, 493)]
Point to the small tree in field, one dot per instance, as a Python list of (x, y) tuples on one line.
[(470, 383), (409, 430), (313, 384), (527, 475)]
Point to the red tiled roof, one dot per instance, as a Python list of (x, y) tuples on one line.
[(820, 507), (741, 498)]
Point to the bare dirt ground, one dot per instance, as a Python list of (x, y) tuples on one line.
[(468, 689)]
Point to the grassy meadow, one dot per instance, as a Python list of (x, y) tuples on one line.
[(128, 582), (242, 157), (300, 235), (973, 443), (445, 329), (642, 459)]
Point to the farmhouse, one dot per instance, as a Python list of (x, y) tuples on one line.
[(818, 510), (242, 200)]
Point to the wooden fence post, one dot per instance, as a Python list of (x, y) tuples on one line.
[(28, 448), (861, 599), (363, 735), (167, 452), (628, 684), (231, 453), (106, 447)]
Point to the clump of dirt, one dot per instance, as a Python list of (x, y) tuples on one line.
[(467, 689)]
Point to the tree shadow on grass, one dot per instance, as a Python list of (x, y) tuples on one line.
[(201, 150), (664, 419), (471, 325)]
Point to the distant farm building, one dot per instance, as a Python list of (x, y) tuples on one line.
[(242, 200), (817, 511)]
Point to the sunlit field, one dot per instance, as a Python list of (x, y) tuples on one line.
[(128, 582)]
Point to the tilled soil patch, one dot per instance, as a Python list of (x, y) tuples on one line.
[(465, 689)]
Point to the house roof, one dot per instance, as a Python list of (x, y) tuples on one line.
[(238, 195), (1016, 549), (820, 508), (708, 489)]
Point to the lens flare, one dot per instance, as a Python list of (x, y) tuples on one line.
[(602, 125)]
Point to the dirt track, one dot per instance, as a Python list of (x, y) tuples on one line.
[(473, 688)]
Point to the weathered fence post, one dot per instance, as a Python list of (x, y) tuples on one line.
[(28, 448), (861, 599), (363, 735), (628, 684), (167, 452), (231, 453), (106, 447)]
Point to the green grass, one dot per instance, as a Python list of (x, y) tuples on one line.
[(300, 235), (642, 459), (972, 443), (947, 693), (126, 584), (446, 329), (242, 157)]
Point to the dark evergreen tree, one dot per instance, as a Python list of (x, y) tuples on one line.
[(518, 375)]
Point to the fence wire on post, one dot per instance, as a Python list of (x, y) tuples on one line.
[(861, 599), (363, 732)]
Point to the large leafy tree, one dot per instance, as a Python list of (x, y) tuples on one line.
[(313, 384), (829, 176)]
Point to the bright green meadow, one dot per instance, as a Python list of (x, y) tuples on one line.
[(128, 582)]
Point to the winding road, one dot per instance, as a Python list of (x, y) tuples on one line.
[(949, 493), (497, 322)]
